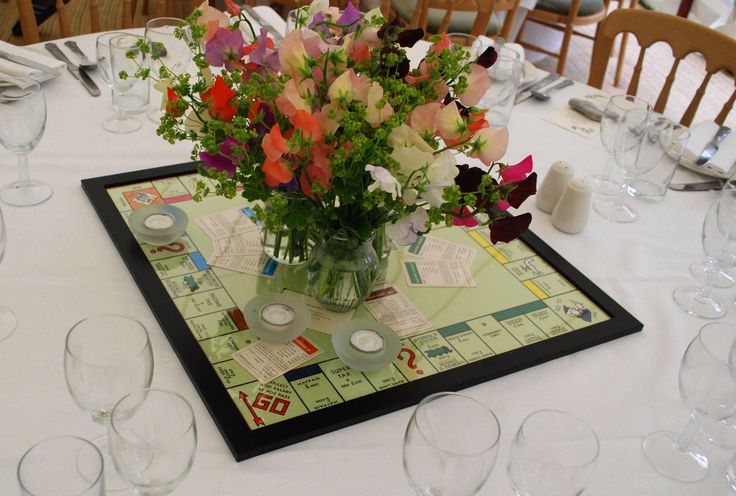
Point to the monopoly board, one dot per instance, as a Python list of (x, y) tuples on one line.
[(529, 306)]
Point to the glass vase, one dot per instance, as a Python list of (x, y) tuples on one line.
[(342, 271), (288, 246), (382, 243)]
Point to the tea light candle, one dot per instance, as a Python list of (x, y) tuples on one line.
[(365, 345), (367, 341), (158, 224), (277, 317)]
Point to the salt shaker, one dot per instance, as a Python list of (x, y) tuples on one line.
[(571, 212), (553, 185)]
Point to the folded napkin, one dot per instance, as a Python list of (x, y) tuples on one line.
[(15, 73), (722, 162)]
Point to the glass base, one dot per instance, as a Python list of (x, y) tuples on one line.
[(602, 185), (722, 279), (687, 465), (689, 299), (7, 323), (122, 125), (615, 211), (113, 481), (647, 191), (721, 434), (154, 115), (25, 193)]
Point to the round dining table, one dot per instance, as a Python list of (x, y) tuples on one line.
[(61, 266)]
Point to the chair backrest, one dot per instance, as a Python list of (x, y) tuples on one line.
[(683, 37), (30, 28), (484, 9)]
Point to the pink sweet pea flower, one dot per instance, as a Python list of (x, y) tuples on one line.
[(489, 144), (503, 205), (423, 118), (265, 55), (224, 48), (449, 121), (291, 100), (328, 124), (212, 18), (478, 83), (374, 115), (517, 173), (462, 220), (292, 54)]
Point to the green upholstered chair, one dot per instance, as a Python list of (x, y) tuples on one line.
[(564, 15), (457, 16)]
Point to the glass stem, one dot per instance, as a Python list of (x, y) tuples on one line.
[(607, 172), (622, 194), (23, 175), (687, 433), (116, 105), (711, 271)]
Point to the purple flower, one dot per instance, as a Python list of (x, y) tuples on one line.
[(268, 120), (318, 18), (226, 160), (264, 56), (224, 48), (349, 16)]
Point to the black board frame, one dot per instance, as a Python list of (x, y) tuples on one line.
[(245, 443)]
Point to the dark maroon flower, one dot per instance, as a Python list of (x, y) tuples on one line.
[(487, 58), (523, 190), (390, 28), (469, 178), (225, 161), (509, 227), (409, 37)]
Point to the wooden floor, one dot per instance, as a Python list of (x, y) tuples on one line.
[(656, 66)]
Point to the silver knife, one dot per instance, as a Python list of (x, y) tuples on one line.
[(526, 94), (701, 186), (260, 20), (29, 63), (76, 71)]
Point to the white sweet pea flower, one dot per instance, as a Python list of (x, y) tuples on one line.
[(384, 181), (405, 231), (441, 173)]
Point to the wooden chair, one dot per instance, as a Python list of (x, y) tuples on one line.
[(461, 16), (30, 28), (564, 15), (683, 37)]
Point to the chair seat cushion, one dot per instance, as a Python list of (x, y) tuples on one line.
[(562, 7), (460, 22)]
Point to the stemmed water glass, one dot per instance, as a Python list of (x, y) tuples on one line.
[(616, 106), (719, 245), (118, 52), (708, 386), (22, 123), (553, 454), (153, 439), (640, 141), (7, 317), (106, 357), (450, 445), (170, 56)]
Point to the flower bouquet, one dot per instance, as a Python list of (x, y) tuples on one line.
[(339, 138)]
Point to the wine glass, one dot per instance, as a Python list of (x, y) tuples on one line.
[(62, 466), (7, 317), (450, 445), (22, 123), (106, 357), (708, 386), (170, 56), (153, 439), (617, 105), (723, 279), (553, 454), (719, 245), (641, 139), (118, 52)]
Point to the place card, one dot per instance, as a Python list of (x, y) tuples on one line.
[(227, 223), (437, 273), (267, 361), (248, 243), (431, 248), (391, 307), (257, 265)]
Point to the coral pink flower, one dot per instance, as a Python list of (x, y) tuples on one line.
[(517, 173), (478, 83), (423, 118), (374, 115), (490, 144), (308, 125), (276, 172), (274, 144), (220, 97), (232, 8), (291, 100), (443, 44), (328, 124)]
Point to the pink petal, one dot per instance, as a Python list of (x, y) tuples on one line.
[(422, 119), (517, 173), (478, 83)]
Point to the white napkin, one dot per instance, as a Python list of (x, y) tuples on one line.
[(722, 162), (14, 73)]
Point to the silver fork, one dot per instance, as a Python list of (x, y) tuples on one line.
[(83, 60), (712, 148)]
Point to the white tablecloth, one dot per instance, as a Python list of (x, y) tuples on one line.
[(60, 266)]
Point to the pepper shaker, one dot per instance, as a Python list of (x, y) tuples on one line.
[(553, 186), (571, 212)]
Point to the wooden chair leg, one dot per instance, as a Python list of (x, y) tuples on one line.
[(128, 13), (620, 61), (145, 7), (28, 22), (64, 26), (160, 10), (564, 49), (94, 17)]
